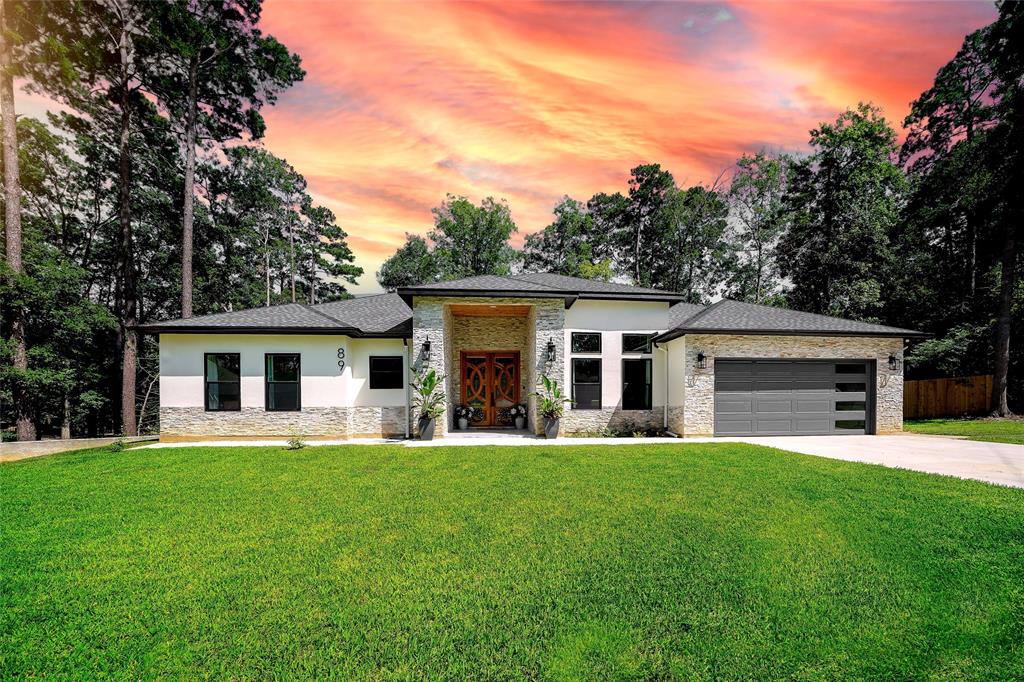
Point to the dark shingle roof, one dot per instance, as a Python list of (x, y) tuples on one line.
[(578, 284), (747, 318), (681, 312), (481, 282), (285, 316), (371, 314), (381, 315), (535, 285)]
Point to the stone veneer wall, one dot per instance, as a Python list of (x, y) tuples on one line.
[(699, 396), (183, 423), (488, 333), (614, 418), (548, 322)]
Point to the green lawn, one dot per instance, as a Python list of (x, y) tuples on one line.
[(694, 561), (992, 430)]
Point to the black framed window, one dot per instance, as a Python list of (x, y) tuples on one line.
[(586, 383), (636, 384), (223, 378), (386, 372), (586, 342), (851, 368), (636, 343), (282, 382)]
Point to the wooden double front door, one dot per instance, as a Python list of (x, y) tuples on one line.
[(490, 385)]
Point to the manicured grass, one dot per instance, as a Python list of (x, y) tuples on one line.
[(699, 561), (991, 430)]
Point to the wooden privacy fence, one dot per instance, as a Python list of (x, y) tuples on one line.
[(951, 397)]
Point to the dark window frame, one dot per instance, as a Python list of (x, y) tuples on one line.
[(650, 387), (207, 382), (267, 383), (572, 342), (648, 349), (599, 384), (401, 372)]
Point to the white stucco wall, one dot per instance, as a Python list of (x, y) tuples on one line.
[(612, 319), (335, 401), (181, 366)]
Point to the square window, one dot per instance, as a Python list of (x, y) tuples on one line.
[(586, 383), (386, 372), (636, 384), (586, 342), (636, 343)]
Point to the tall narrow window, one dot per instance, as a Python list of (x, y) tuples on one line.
[(223, 382), (386, 372), (586, 383), (636, 384), (282, 381)]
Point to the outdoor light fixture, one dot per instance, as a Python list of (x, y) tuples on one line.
[(426, 351), (551, 350), (702, 360), (894, 362)]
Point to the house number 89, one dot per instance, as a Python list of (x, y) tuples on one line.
[(341, 359)]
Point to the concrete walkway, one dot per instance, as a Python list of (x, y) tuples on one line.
[(12, 452)]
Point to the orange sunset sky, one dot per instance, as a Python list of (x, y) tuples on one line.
[(403, 102)]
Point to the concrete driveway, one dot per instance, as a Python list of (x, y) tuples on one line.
[(1000, 463)]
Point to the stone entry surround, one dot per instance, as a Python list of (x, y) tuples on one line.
[(449, 334)]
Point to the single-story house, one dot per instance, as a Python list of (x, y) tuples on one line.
[(627, 356)]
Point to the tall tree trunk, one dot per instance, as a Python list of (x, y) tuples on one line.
[(291, 251), (1007, 283), (12, 227), (189, 199), (266, 269), (65, 423), (129, 303)]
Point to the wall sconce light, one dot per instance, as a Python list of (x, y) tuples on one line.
[(551, 350), (894, 362), (426, 351), (702, 360)]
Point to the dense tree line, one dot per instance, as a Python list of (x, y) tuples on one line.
[(146, 197), (923, 234)]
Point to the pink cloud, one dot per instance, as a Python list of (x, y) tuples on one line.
[(405, 102)]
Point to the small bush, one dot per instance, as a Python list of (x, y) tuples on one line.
[(119, 445), (8, 436), (295, 440)]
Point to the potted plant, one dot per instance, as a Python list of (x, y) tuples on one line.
[(429, 400), (463, 413), (550, 405), (519, 412)]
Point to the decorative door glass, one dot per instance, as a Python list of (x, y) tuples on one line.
[(490, 385)]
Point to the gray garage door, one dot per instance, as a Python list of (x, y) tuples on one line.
[(792, 397)]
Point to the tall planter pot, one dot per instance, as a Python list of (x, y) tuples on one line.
[(426, 429), (551, 428)]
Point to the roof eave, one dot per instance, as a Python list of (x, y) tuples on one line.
[(894, 334), (569, 297), (250, 329)]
